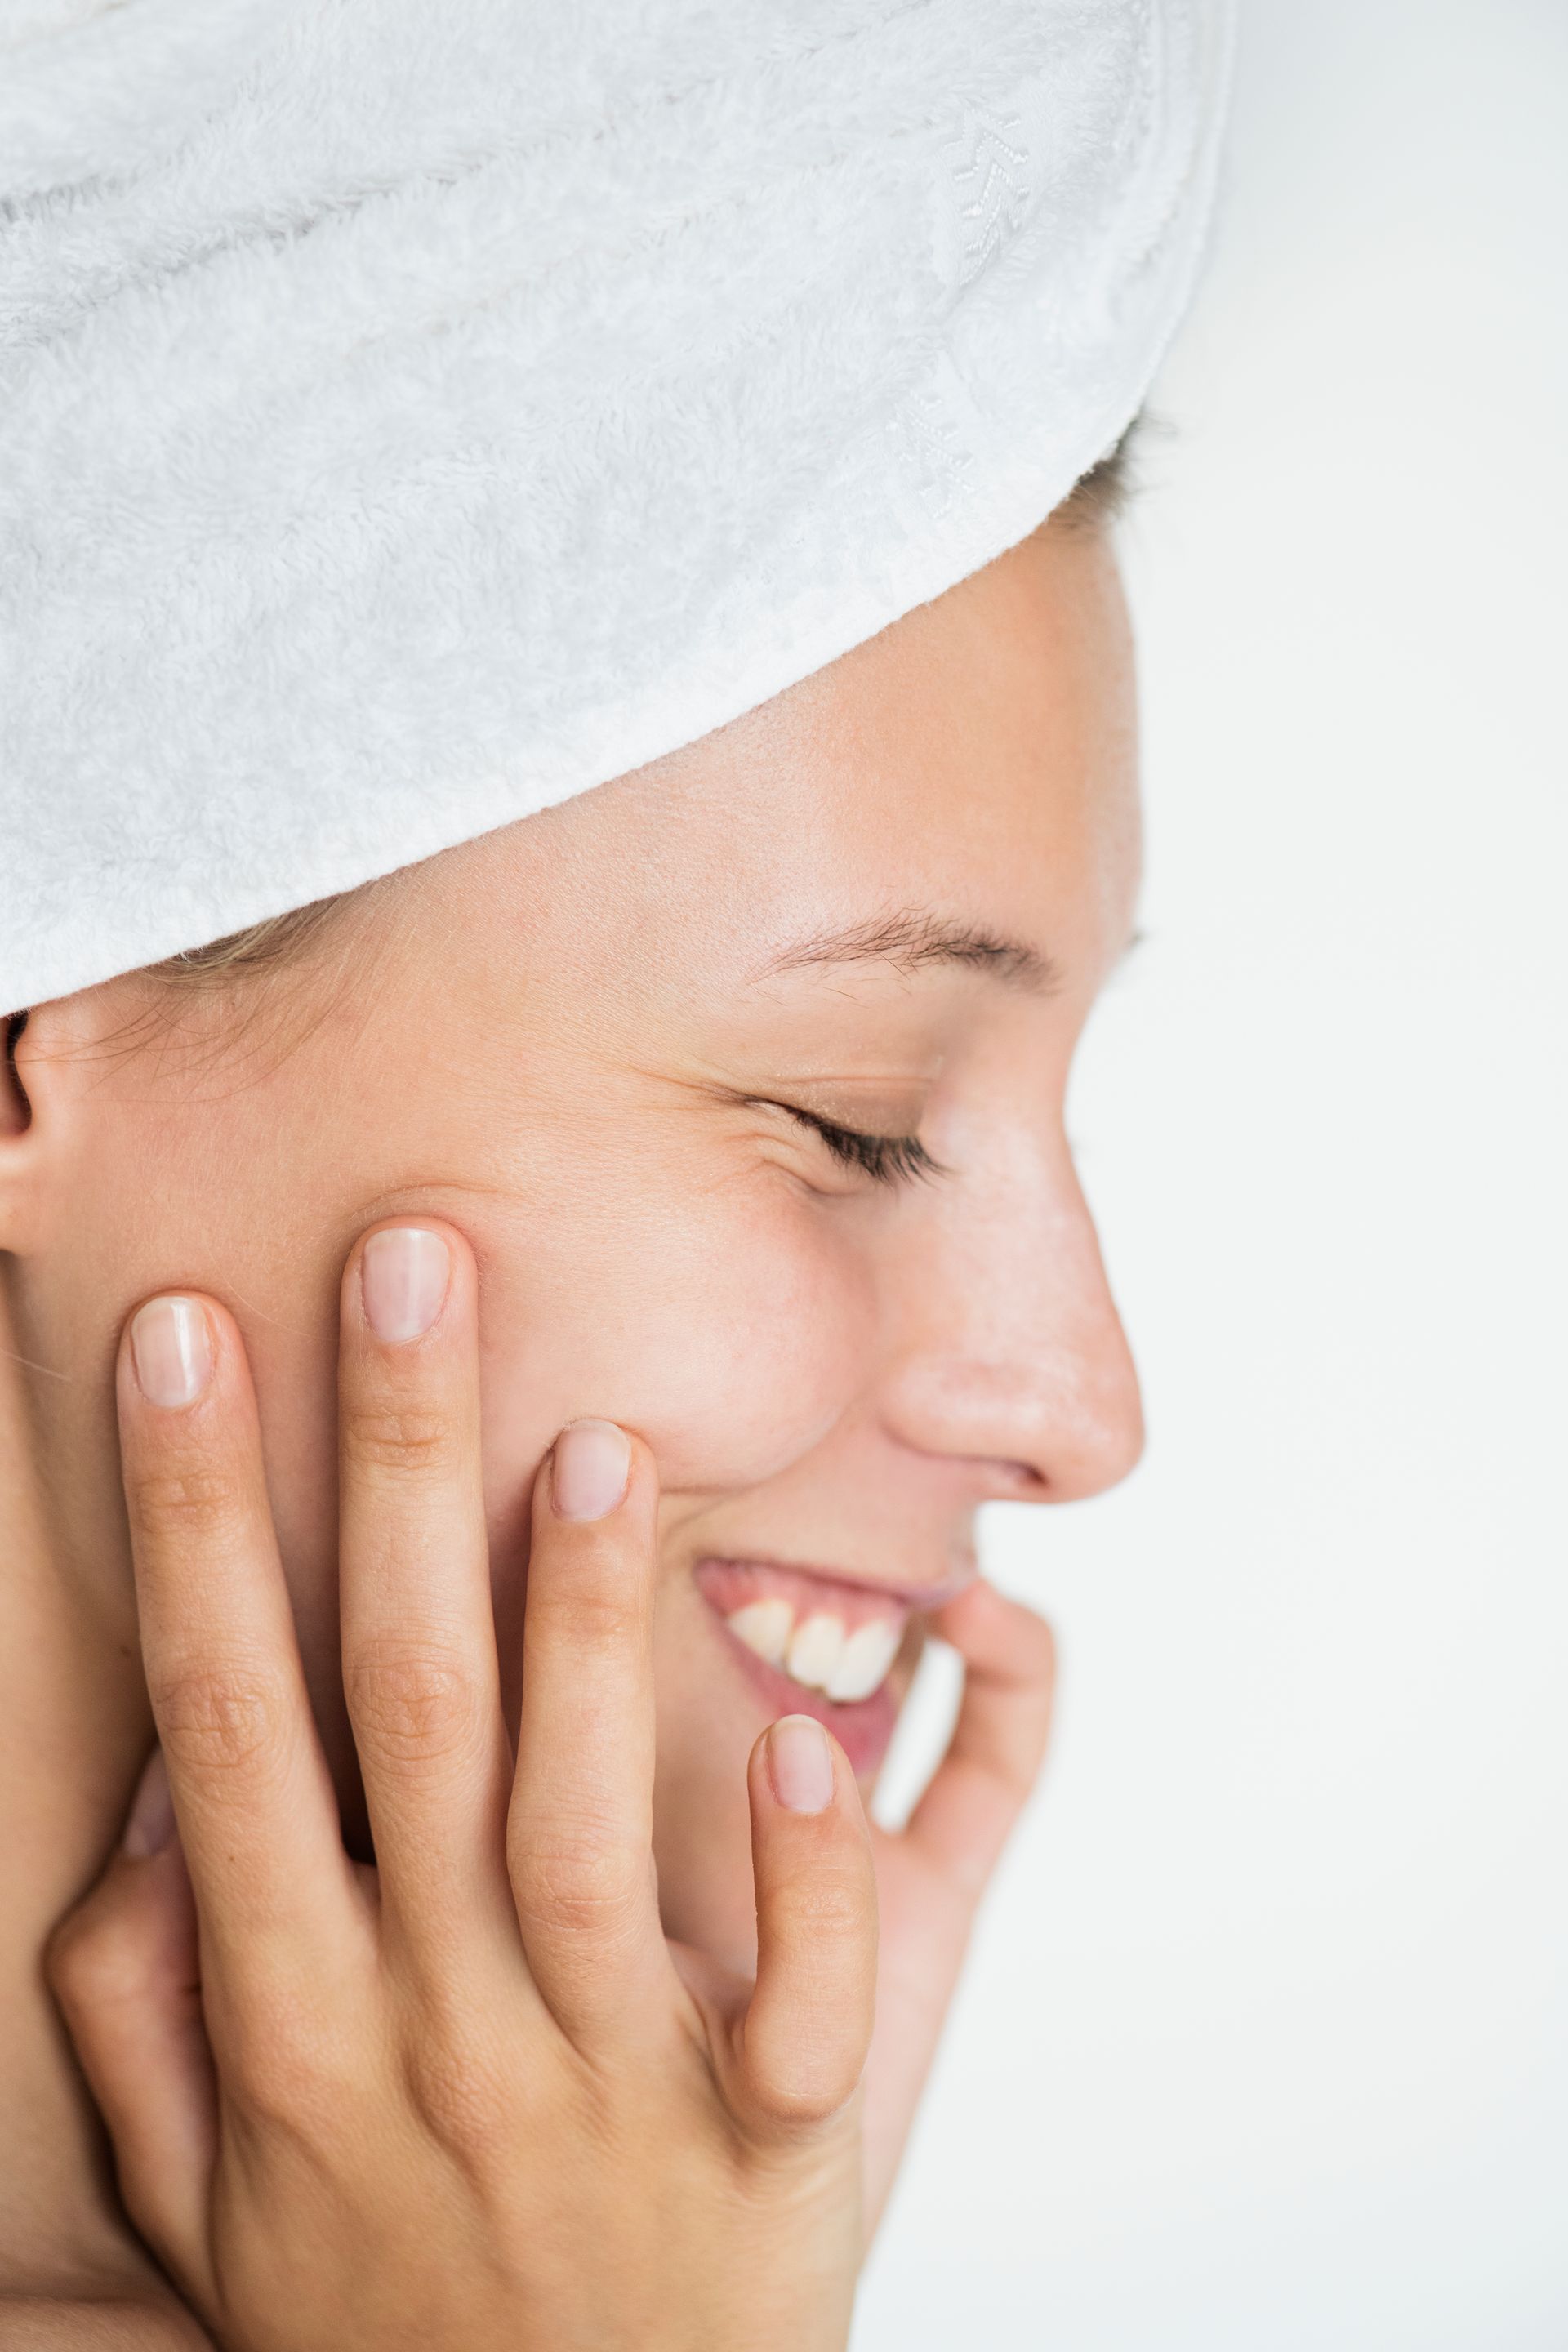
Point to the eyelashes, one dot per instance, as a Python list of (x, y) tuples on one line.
[(886, 1159)]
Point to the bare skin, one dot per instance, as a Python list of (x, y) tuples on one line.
[(470, 2094), (588, 1043)]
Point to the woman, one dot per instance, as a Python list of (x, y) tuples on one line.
[(720, 1105)]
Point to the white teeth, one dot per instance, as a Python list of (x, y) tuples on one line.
[(816, 1650), (865, 1658), (765, 1627)]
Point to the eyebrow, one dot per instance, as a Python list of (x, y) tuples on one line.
[(912, 941)]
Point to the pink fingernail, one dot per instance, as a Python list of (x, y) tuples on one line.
[(403, 1273), (800, 1764), (588, 1469), (170, 1347), (149, 1825)]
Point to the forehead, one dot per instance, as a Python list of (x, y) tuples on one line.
[(978, 758), (975, 763)]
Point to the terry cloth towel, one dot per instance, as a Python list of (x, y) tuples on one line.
[(416, 412)]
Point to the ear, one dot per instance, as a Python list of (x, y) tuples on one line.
[(37, 1117), (15, 1121)]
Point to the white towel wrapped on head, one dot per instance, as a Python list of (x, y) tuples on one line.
[(415, 412)]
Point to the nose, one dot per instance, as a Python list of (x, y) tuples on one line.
[(1012, 1354)]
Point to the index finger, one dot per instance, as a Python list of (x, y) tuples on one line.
[(252, 1795)]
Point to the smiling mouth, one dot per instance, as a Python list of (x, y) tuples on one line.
[(811, 1633)]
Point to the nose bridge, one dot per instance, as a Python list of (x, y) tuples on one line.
[(1018, 1355)]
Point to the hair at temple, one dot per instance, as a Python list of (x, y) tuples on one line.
[(1102, 494)]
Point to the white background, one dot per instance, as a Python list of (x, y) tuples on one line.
[(1264, 2044)]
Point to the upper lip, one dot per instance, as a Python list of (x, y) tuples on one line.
[(923, 1597)]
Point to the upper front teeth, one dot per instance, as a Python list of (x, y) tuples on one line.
[(819, 1652), (764, 1626), (865, 1658)]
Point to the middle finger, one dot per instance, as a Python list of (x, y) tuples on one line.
[(418, 1632)]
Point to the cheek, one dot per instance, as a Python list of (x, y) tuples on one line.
[(731, 1330)]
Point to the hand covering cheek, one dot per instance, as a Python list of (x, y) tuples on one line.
[(414, 412)]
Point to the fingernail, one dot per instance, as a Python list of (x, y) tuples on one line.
[(403, 1273), (588, 1469), (150, 1822), (172, 1349), (800, 1764)]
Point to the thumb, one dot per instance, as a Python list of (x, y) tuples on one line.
[(124, 1968)]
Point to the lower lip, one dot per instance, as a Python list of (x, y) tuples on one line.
[(862, 1727)]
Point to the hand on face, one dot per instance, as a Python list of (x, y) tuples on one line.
[(303, 2063), (472, 2091)]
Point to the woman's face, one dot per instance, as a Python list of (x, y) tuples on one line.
[(624, 1047)]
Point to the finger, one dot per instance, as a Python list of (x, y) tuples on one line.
[(123, 1967), (806, 2031), (418, 1632), (978, 1790), (258, 1819), (580, 1831)]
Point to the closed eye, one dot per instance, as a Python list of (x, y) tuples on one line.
[(886, 1159)]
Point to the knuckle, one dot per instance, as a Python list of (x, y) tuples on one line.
[(811, 2098), (411, 1704), (286, 2069), (83, 1963), (389, 1440), (599, 1612), (576, 1883), (189, 1502), (807, 2089), (461, 2094), (829, 1907), (220, 1719)]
